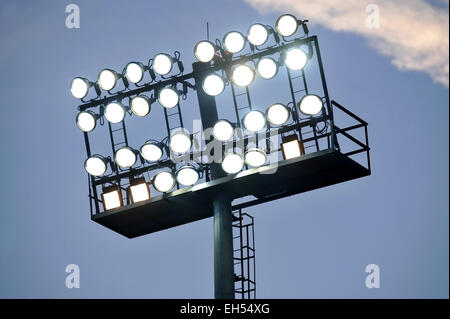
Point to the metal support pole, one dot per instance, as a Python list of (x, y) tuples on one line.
[(223, 233)]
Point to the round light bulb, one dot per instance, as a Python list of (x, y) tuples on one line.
[(168, 98), (115, 112), (162, 64), (243, 75), (134, 72), (223, 130), (277, 114), (140, 105), (257, 34), (310, 104), (79, 87), (125, 157), (95, 165), (187, 175), (151, 152), (204, 51), (180, 142), (295, 59), (267, 68), (232, 163), (286, 25), (234, 42), (255, 157), (86, 121), (163, 182), (213, 85), (254, 121), (107, 79)]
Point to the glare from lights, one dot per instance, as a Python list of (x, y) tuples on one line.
[(86, 121), (287, 25), (257, 34), (187, 175), (310, 104), (232, 163), (134, 72), (204, 51), (277, 114), (107, 79), (95, 165), (139, 191), (234, 42), (223, 130), (243, 75), (267, 68), (115, 112), (180, 142), (151, 152), (213, 85), (162, 64), (255, 157), (291, 147), (254, 121), (168, 98), (140, 105), (125, 157), (112, 198), (163, 182), (295, 59), (79, 87)]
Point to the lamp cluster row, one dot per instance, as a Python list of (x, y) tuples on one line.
[(133, 72), (257, 35)]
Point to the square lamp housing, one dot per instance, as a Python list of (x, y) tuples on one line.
[(139, 190), (291, 147), (112, 197)]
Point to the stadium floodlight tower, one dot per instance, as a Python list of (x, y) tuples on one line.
[(144, 188)]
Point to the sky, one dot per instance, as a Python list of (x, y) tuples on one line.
[(311, 245)]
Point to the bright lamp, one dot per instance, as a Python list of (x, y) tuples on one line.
[(125, 157), (310, 104), (95, 165), (187, 175), (163, 181)]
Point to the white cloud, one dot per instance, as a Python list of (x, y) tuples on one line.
[(413, 33)]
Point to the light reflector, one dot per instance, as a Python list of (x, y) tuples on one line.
[(107, 79), (139, 191), (254, 121), (112, 198), (213, 85), (255, 157), (286, 25), (140, 105), (223, 130), (168, 98), (79, 87), (125, 157), (162, 63), (86, 121), (187, 175), (204, 51), (257, 34), (243, 75), (163, 181), (115, 112), (232, 163), (95, 165), (134, 72), (295, 59), (310, 104), (267, 68), (234, 42), (180, 142), (277, 114), (151, 151)]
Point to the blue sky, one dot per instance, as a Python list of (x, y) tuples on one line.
[(313, 245)]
